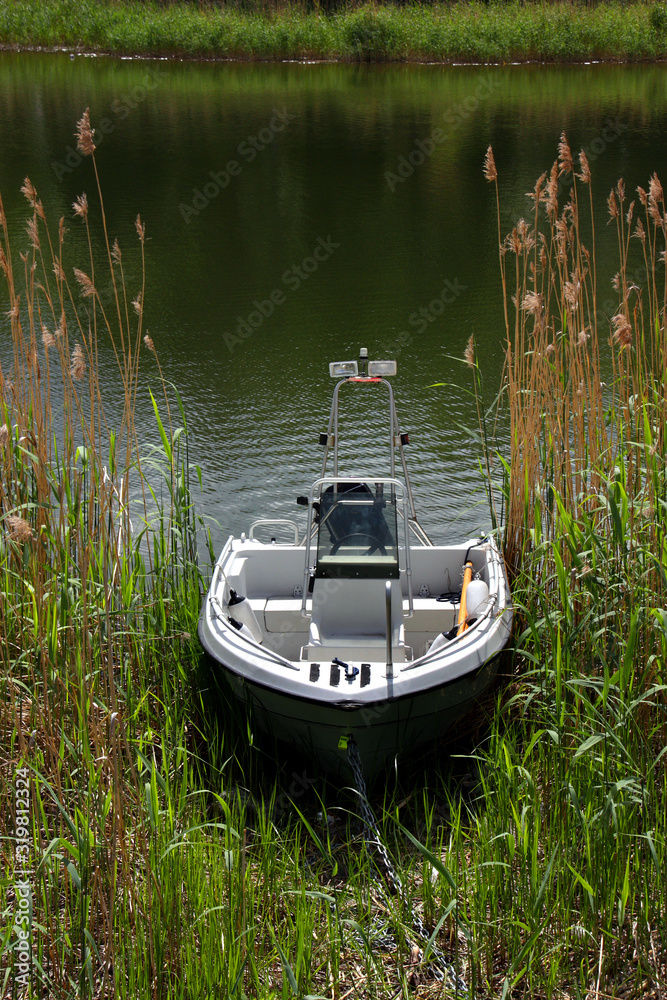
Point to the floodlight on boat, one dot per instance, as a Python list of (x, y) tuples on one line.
[(381, 368), (343, 369)]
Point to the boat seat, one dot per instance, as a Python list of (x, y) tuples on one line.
[(429, 615), (283, 614), (349, 620)]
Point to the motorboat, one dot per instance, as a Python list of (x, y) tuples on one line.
[(354, 625)]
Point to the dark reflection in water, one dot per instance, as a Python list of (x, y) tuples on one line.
[(296, 213)]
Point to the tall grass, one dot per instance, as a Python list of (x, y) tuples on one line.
[(585, 542), (98, 586), (474, 31), (163, 866), (152, 870)]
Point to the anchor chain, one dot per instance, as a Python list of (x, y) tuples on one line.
[(443, 970)]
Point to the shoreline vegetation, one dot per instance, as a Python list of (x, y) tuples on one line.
[(148, 848), (469, 32)]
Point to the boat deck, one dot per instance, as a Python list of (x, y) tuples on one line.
[(271, 577)]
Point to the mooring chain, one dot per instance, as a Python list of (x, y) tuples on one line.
[(444, 969)]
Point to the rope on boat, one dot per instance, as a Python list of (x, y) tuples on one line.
[(442, 969)]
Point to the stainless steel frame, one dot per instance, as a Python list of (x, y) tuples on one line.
[(394, 443)]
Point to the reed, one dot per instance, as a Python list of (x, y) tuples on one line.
[(585, 531), (98, 583), (167, 857)]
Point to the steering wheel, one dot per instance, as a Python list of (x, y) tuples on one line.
[(375, 543)]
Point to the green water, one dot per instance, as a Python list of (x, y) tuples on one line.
[(298, 212)]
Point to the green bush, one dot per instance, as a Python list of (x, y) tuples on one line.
[(658, 17), (371, 34)]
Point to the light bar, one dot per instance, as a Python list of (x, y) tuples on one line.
[(381, 368), (343, 369)]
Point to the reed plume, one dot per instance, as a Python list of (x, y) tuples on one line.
[(84, 135), (561, 442), (586, 516), (587, 412), (78, 581)]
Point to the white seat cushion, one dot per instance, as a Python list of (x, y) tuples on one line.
[(349, 619)]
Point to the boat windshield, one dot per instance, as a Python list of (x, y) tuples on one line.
[(358, 533)]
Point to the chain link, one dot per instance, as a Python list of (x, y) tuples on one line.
[(443, 970)]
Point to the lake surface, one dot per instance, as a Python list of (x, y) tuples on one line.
[(296, 213)]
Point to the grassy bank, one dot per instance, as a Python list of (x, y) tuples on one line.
[(472, 32), (141, 859)]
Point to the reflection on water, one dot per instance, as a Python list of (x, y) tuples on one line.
[(296, 213)]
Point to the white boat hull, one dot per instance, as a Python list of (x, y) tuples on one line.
[(298, 694), (384, 731)]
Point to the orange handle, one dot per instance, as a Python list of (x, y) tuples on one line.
[(463, 611)]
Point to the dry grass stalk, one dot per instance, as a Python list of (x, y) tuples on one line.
[(490, 171), (18, 529), (80, 206), (562, 444), (87, 287), (469, 352), (84, 135), (64, 569), (565, 162), (28, 191), (78, 363), (47, 337)]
